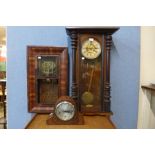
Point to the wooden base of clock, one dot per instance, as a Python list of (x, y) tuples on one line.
[(98, 114), (76, 121)]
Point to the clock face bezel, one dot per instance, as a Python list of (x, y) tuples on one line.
[(91, 48), (64, 112)]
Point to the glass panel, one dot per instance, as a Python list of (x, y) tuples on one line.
[(47, 91), (47, 79), (90, 84), (47, 66)]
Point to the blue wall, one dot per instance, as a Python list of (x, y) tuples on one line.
[(125, 66), (124, 71)]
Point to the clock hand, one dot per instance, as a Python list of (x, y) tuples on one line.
[(68, 111)]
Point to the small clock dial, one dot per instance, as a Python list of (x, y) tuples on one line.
[(65, 111), (47, 65), (91, 48)]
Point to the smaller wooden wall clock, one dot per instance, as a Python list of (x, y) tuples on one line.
[(65, 113), (47, 77)]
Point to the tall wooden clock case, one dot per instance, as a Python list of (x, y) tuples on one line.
[(90, 87)]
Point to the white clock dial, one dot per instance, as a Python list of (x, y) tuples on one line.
[(91, 48), (65, 111)]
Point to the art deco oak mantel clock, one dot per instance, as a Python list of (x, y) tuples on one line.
[(65, 113), (91, 68)]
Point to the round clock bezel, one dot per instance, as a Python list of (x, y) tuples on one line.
[(99, 51), (58, 106)]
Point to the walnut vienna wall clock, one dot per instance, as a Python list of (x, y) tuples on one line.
[(91, 68)]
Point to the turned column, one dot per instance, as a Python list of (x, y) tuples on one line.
[(74, 87), (106, 85)]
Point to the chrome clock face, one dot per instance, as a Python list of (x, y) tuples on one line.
[(91, 48), (65, 111)]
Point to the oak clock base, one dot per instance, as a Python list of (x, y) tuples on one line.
[(107, 114), (54, 121)]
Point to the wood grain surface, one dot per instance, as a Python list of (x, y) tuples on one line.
[(91, 122)]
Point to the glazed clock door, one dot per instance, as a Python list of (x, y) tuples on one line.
[(47, 77), (90, 73)]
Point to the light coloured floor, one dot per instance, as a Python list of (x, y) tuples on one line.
[(91, 122)]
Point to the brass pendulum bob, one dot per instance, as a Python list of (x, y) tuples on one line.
[(87, 96)]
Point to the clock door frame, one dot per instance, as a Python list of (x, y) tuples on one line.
[(82, 38), (33, 52)]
